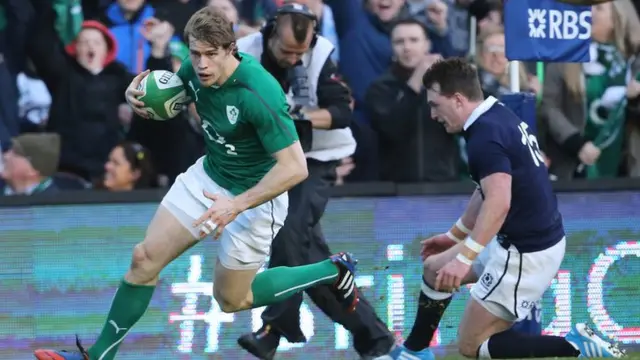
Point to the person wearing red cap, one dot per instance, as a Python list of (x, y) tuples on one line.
[(87, 85)]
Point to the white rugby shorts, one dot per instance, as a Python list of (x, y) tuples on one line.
[(509, 282), (245, 242)]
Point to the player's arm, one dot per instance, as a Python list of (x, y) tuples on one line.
[(289, 170), (278, 136), (467, 221), (495, 180), (333, 100)]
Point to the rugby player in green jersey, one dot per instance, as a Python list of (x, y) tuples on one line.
[(237, 192)]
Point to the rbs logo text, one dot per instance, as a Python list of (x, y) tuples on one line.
[(559, 24)]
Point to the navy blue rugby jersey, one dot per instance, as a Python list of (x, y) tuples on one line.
[(499, 142)]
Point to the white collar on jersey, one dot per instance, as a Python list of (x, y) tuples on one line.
[(481, 109)]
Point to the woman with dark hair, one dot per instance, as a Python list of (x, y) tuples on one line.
[(129, 167)]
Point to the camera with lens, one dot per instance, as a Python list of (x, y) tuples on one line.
[(299, 82)]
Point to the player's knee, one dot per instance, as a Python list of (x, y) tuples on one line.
[(430, 271), (468, 348), (142, 265), (229, 303)]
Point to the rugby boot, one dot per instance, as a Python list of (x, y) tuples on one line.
[(261, 344), (345, 285), (402, 353), (591, 345), (80, 354)]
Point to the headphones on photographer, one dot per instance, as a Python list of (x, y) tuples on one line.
[(292, 8)]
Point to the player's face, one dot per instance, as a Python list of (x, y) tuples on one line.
[(286, 50), (445, 110), (91, 49), (118, 172), (410, 45), (208, 61)]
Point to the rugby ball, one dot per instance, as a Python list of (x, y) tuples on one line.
[(164, 94)]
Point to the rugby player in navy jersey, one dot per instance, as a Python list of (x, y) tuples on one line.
[(513, 204)]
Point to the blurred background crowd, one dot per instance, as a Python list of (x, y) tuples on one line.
[(65, 64)]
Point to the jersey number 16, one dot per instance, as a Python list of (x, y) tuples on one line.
[(530, 141)]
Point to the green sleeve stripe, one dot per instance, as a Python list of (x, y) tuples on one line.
[(273, 113)]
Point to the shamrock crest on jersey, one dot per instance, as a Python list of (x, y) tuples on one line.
[(232, 114)]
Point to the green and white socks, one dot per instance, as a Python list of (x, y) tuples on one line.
[(270, 286), (128, 306)]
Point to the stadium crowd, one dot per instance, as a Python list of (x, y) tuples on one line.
[(65, 64)]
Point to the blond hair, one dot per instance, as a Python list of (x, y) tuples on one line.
[(482, 38), (625, 37), (210, 26)]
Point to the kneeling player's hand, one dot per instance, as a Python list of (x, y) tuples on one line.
[(450, 277), (435, 245), (220, 214), (132, 94)]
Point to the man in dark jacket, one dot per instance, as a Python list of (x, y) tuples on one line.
[(414, 147), (365, 55), (320, 108), (87, 87)]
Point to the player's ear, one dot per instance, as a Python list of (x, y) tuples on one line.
[(233, 49), (459, 100)]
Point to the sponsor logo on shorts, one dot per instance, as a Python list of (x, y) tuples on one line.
[(487, 280), (526, 304)]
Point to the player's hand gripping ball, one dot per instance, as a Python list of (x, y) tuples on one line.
[(163, 95)]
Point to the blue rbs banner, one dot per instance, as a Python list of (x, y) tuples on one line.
[(547, 30)]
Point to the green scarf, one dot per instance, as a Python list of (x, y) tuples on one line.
[(605, 80), (69, 18)]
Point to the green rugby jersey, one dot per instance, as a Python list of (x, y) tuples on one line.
[(245, 121)]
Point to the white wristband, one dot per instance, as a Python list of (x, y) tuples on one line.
[(462, 228), (463, 259), (473, 245)]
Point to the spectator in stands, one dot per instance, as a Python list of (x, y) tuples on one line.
[(126, 19), (364, 39), (365, 55), (583, 104), (129, 167), (87, 86), (327, 25), (493, 66), (633, 90), (30, 164), (229, 8), (413, 147)]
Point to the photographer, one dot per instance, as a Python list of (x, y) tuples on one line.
[(292, 51)]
